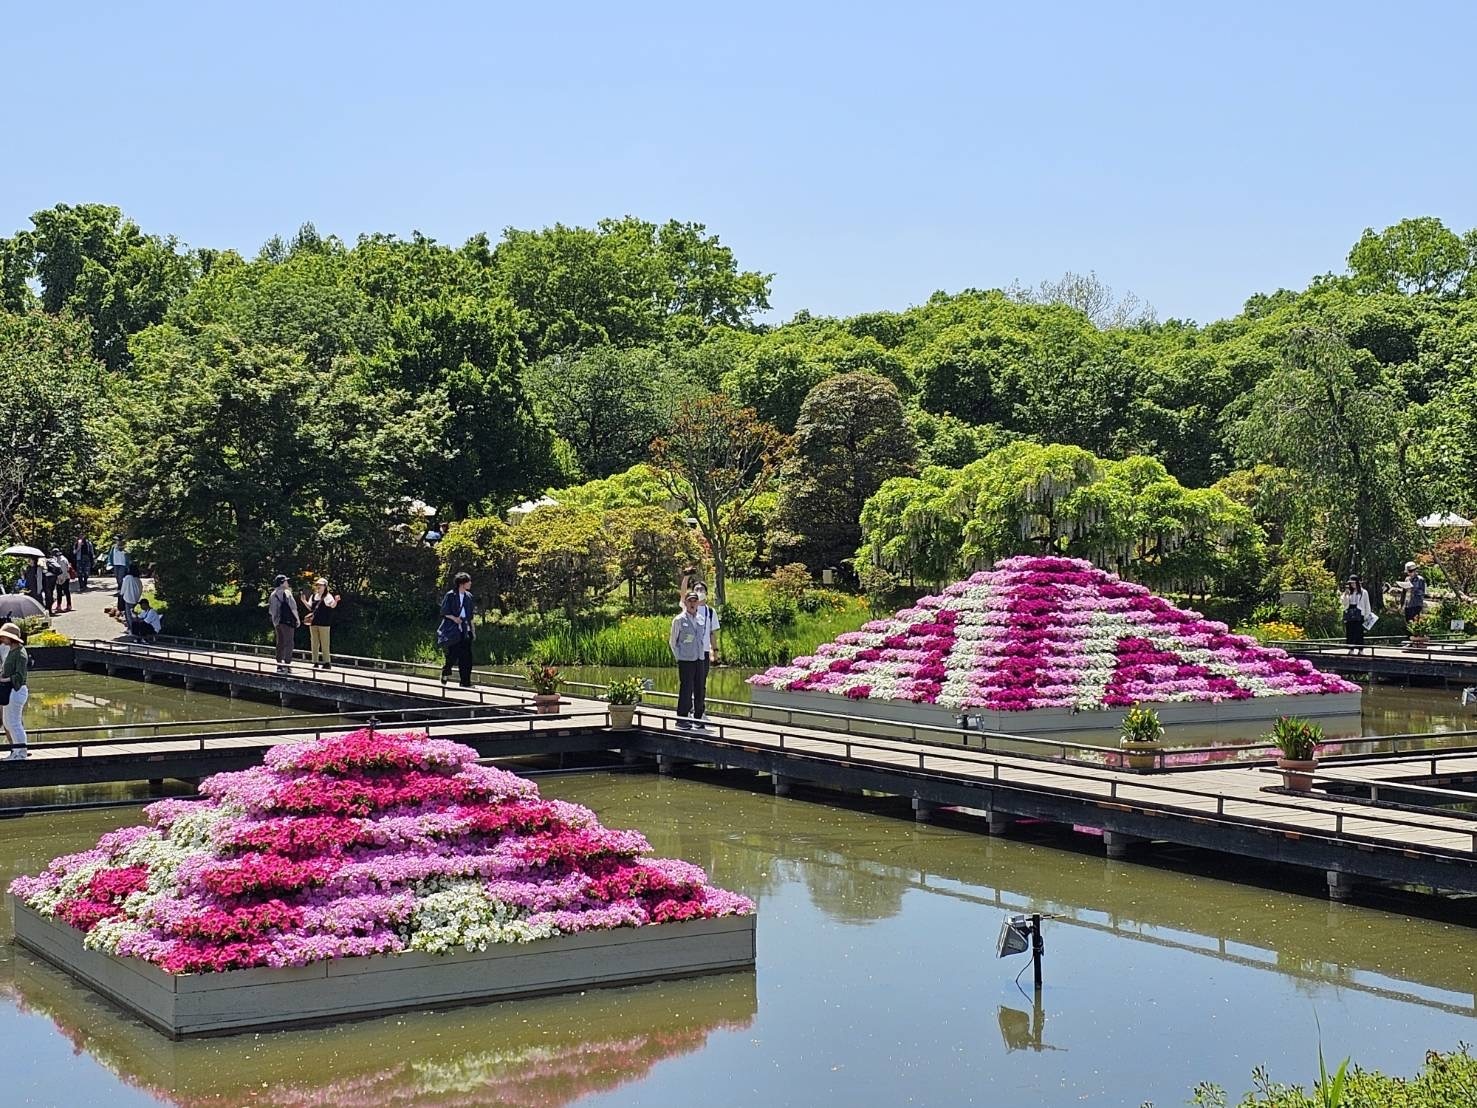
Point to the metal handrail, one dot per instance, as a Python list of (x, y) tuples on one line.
[(979, 758), (331, 677), (297, 717), (1398, 786), (200, 739), (826, 718)]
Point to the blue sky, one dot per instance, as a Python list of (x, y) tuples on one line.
[(866, 154)]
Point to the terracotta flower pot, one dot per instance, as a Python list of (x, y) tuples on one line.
[(1298, 774), (622, 716), (546, 704)]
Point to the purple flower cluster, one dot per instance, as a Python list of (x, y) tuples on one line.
[(368, 843)]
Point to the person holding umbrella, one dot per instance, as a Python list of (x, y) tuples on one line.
[(13, 690)]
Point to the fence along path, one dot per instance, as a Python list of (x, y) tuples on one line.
[(1233, 795)]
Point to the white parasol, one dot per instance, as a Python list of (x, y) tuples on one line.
[(24, 551), (1443, 519)]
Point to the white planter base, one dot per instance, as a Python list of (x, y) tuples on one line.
[(358, 988), (1192, 722)]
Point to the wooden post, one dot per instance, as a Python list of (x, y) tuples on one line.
[(923, 810)]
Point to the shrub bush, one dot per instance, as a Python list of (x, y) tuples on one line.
[(1444, 1081)]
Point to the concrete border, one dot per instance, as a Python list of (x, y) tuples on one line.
[(1091, 726), (187, 1005)]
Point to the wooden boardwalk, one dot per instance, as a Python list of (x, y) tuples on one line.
[(1237, 809), (1453, 662)]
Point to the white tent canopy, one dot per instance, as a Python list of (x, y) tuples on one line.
[(518, 511), (1443, 519)]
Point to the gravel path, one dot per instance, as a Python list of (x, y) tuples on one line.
[(87, 619)]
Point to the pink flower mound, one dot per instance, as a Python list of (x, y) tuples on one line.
[(361, 844), (1047, 632)]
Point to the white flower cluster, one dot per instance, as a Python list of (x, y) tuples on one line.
[(464, 914)]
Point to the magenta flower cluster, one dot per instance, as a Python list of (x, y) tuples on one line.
[(359, 844), (1048, 632)]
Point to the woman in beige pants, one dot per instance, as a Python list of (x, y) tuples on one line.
[(320, 605)]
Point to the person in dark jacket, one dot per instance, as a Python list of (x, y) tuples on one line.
[(31, 578), (84, 557), (457, 629), (282, 610)]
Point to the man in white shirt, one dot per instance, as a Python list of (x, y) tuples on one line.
[(118, 559), (148, 623)]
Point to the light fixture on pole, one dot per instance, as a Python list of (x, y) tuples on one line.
[(1020, 933)]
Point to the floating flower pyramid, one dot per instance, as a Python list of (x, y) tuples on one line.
[(365, 843), (1044, 632)]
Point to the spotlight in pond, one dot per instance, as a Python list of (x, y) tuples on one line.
[(1019, 934)]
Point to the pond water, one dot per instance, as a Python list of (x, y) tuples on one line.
[(876, 983), (78, 698)]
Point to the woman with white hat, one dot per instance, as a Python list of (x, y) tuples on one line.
[(13, 690)]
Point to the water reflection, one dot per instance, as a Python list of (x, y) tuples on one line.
[(77, 698), (544, 1052), (876, 983)]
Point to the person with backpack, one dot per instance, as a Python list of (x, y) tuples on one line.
[(49, 570), (63, 568), (691, 646), (457, 629), (282, 610)]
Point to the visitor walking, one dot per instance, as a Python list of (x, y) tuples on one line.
[(13, 688), (320, 605), (63, 567), (49, 570), (1357, 612), (149, 622), (1415, 591), (457, 629), (118, 559), (84, 557), (130, 592), (690, 645), (282, 609)]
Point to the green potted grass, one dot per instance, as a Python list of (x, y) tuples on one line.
[(1298, 740), (544, 680), (1141, 738), (623, 695)]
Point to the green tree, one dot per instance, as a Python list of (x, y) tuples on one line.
[(91, 260), (608, 404), (486, 548), (638, 487), (852, 435), (51, 391), (1415, 256), (1344, 439), (625, 282), (234, 462), (717, 458), (566, 560), (648, 544)]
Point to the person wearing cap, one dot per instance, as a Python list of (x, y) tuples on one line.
[(691, 644), (320, 604), (13, 689), (1415, 591), (282, 609)]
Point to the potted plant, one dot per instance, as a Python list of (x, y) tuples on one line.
[(1298, 741), (544, 679), (1140, 737), (1420, 632), (623, 696)]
